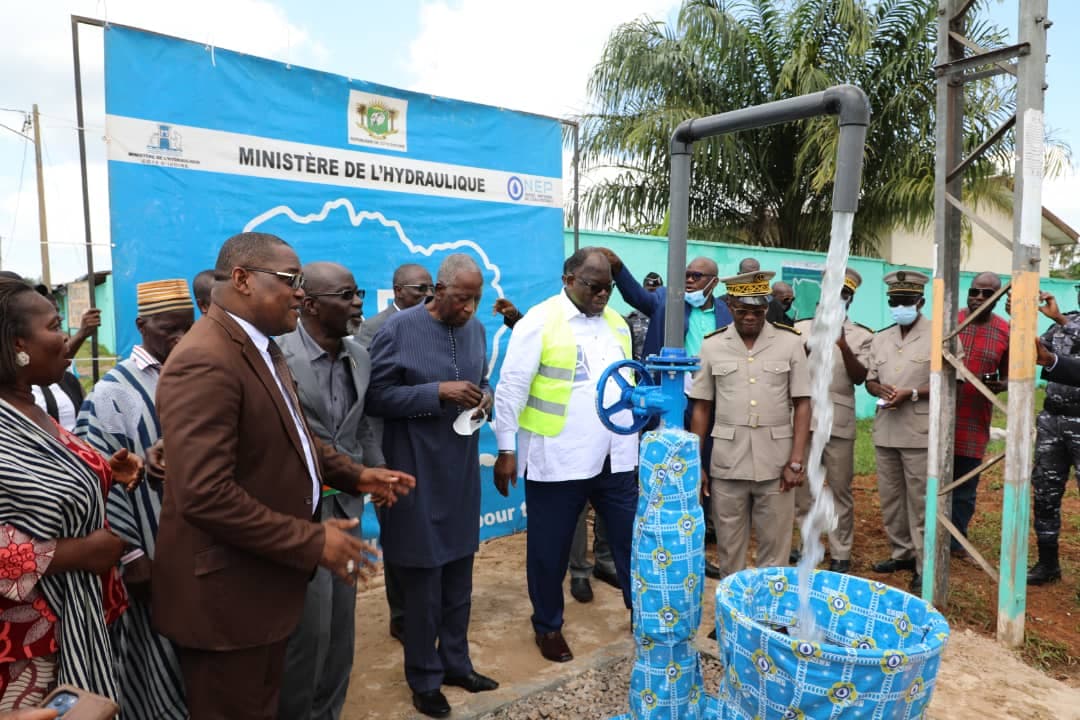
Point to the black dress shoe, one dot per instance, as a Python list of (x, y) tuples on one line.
[(794, 557), (581, 590), (893, 565), (840, 566), (397, 630), (915, 588), (553, 646), (606, 576), (474, 682), (431, 703), (712, 571)]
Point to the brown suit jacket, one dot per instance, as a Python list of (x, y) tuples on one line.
[(236, 543)]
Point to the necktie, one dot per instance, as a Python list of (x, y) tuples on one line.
[(286, 380)]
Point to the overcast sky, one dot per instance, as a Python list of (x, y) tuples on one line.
[(533, 56)]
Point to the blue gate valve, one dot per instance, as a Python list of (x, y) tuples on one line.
[(644, 396)]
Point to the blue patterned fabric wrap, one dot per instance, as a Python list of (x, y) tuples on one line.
[(879, 659), (667, 565)]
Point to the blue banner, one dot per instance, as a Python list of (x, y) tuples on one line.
[(205, 143)]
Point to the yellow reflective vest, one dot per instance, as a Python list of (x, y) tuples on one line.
[(549, 395)]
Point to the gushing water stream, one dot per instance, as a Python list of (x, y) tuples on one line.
[(828, 323)]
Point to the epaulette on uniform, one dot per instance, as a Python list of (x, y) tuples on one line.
[(864, 327), (887, 327), (717, 331), (789, 328)]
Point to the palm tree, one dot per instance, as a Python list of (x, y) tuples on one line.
[(772, 186)]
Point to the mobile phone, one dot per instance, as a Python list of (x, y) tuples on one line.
[(62, 702), (71, 703)]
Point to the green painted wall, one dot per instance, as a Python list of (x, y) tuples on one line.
[(645, 253)]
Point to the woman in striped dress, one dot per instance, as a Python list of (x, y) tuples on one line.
[(119, 415), (59, 587)]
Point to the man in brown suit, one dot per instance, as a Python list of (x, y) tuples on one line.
[(237, 542)]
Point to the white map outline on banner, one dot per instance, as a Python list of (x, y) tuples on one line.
[(358, 217)]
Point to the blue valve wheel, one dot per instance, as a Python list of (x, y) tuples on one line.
[(642, 379)]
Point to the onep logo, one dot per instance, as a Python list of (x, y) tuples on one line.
[(515, 188)]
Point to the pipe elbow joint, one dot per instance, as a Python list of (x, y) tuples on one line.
[(682, 139), (849, 103)]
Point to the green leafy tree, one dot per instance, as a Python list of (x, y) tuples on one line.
[(772, 186)]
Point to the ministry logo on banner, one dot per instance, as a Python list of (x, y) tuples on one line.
[(377, 121)]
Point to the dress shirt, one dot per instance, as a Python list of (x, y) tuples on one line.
[(262, 344), (334, 378), (579, 451), (144, 360)]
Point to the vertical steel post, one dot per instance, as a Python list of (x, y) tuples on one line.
[(1027, 240), (90, 279), (947, 240), (577, 184)]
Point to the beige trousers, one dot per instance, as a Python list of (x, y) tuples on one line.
[(839, 464), (738, 504), (902, 486)]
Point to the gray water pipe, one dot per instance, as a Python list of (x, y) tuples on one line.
[(846, 101)]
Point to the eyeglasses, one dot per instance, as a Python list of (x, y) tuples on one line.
[(897, 301), (346, 295), (422, 288), (984, 292), (694, 275), (594, 287), (293, 280)]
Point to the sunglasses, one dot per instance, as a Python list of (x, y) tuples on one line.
[(980, 292), (694, 275), (293, 280), (594, 287), (346, 295), (422, 288), (903, 300)]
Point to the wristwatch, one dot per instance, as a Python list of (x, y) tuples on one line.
[(914, 394), (795, 466)]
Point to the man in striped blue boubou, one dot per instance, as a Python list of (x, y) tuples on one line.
[(119, 414)]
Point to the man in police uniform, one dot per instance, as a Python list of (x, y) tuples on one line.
[(899, 376), (752, 374), (848, 370), (1057, 442)]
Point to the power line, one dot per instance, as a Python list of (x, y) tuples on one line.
[(13, 130)]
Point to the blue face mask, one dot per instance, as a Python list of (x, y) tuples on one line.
[(904, 315), (697, 298)]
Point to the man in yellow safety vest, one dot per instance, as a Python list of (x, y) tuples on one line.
[(545, 404)]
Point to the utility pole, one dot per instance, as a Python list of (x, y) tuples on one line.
[(46, 275)]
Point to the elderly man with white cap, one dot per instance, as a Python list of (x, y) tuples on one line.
[(899, 376), (848, 370), (753, 393)]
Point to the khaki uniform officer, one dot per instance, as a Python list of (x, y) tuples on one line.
[(899, 376), (752, 374), (850, 359)]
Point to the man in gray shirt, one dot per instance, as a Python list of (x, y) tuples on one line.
[(331, 371)]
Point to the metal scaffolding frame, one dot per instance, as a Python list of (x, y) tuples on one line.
[(960, 61)]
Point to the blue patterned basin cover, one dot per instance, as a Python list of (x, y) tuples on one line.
[(667, 566), (879, 659)]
